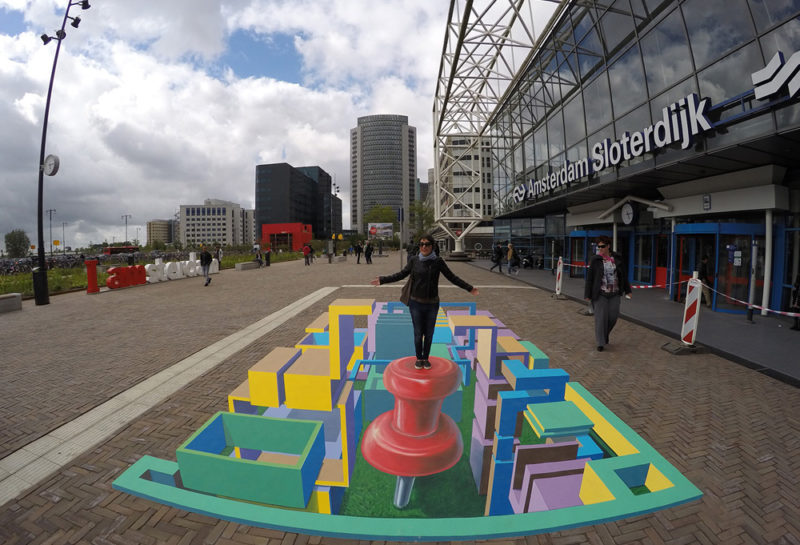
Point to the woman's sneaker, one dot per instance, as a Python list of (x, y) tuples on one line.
[(418, 365), (426, 364)]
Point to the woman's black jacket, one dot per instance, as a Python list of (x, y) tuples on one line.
[(594, 276), (425, 278)]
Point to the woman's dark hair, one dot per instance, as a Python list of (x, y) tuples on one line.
[(426, 236), (604, 240)]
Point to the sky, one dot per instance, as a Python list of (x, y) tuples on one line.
[(157, 104)]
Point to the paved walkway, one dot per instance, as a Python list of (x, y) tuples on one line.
[(89, 384), (767, 344)]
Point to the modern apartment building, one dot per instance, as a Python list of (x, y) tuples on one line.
[(216, 222), (383, 167)]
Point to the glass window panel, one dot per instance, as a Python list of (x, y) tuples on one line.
[(678, 92), (577, 152), (582, 20), (768, 13), (519, 165), (627, 81), (716, 27), (555, 134), (597, 101), (540, 143), (590, 54), (617, 25), (568, 72), (724, 79), (574, 123), (530, 156), (784, 38), (665, 49), (635, 121)]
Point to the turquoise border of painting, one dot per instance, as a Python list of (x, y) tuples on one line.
[(418, 529)]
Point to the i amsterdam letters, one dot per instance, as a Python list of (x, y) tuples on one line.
[(680, 122)]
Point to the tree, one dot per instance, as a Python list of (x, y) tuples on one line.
[(381, 214), (423, 218), (17, 243)]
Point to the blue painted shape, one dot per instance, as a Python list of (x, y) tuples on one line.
[(249, 453), (588, 448), (499, 486), (211, 439), (161, 478), (244, 407), (442, 335), (504, 446), (471, 306), (633, 475), (453, 404), (554, 380), (511, 402)]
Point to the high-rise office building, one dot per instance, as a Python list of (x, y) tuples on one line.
[(160, 231), (383, 167), (285, 194)]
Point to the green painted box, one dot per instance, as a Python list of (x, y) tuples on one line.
[(280, 458)]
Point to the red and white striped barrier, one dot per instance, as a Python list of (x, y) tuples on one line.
[(559, 276), (691, 311)]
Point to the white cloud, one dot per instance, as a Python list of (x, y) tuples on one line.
[(142, 125)]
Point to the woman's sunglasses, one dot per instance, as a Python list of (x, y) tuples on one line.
[(426, 243)]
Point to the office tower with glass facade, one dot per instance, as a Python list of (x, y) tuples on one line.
[(671, 126), (383, 167), (285, 194)]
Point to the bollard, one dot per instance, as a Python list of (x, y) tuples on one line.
[(691, 311), (91, 276)]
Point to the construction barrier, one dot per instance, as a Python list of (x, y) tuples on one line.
[(559, 276), (691, 311)]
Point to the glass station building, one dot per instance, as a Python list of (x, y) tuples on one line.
[(672, 126)]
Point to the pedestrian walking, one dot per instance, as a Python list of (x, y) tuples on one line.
[(497, 258), (218, 256), (795, 307), (368, 253), (307, 254), (267, 255), (205, 264), (606, 281), (513, 259), (358, 250), (423, 302)]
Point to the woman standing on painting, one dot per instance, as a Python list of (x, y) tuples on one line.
[(423, 303)]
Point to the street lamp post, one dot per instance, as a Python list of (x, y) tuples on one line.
[(125, 217), (50, 213), (41, 293)]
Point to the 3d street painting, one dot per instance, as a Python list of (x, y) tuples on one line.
[(341, 436)]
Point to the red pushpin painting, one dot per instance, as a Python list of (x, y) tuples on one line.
[(415, 439)]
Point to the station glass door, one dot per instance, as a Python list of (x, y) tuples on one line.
[(691, 249), (733, 276), (577, 257)]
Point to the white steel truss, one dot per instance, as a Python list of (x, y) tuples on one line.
[(487, 44)]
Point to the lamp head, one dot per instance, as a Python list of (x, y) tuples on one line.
[(46, 39), (60, 34), (75, 22), (85, 4)]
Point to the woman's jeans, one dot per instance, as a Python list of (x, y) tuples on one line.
[(423, 316), (606, 313)]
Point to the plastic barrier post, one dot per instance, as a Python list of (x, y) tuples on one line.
[(691, 312)]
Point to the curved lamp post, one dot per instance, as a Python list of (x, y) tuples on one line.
[(40, 290)]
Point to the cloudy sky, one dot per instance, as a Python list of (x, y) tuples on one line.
[(158, 104)]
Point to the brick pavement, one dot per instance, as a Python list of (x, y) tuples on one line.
[(731, 431)]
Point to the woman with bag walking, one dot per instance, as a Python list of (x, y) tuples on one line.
[(605, 282), (423, 303)]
